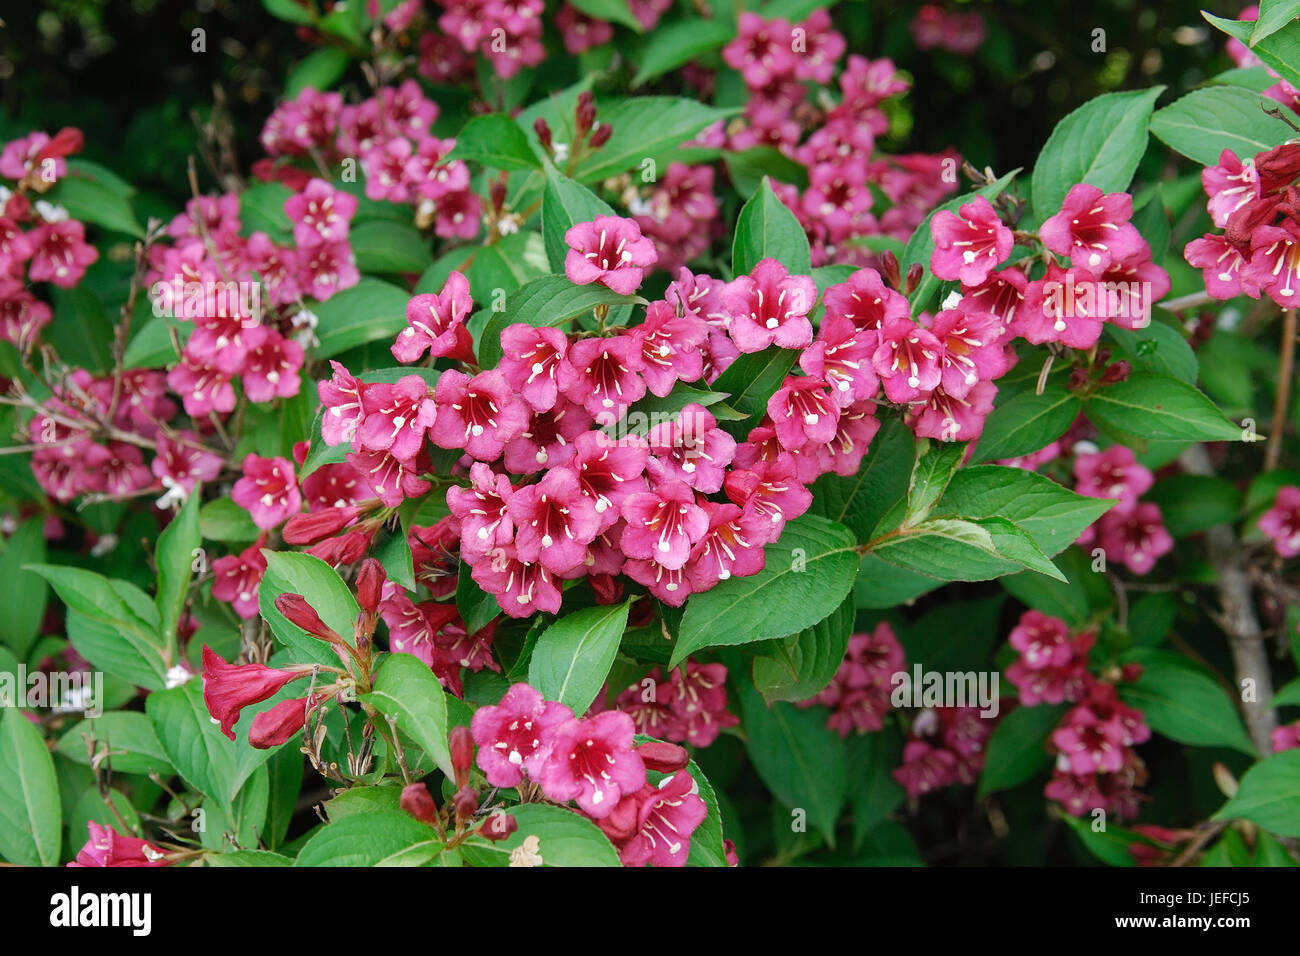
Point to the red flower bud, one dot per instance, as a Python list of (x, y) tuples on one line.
[(418, 802), (65, 142), (466, 802), (662, 757), (1116, 373), (543, 131), (1130, 673), (1278, 167), (318, 525), (370, 584), (462, 753), (1078, 379), (299, 612), (1243, 223), (498, 826), (585, 114), (599, 138), (889, 266), (273, 727), (914, 273)]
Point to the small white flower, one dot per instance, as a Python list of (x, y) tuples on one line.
[(50, 212), (176, 676)]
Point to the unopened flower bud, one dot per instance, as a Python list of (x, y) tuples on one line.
[(543, 131), (914, 273), (466, 802), (889, 266), (370, 584), (585, 114), (1103, 356), (497, 193), (299, 612), (662, 757), (1278, 167), (498, 826), (462, 753), (601, 136), (1116, 373), (1078, 379), (318, 525), (418, 802)]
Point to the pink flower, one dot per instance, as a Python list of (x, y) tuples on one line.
[(601, 374), (661, 820), (554, 521), (1230, 185), (691, 449), (770, 306), (391, 479), (275, 726), (107, 847), (803, 412), (1281, 522), (320, 213), (1001, 294), (182, 462), (531, 360), (1065, 306), (971, 349), (341, 411), (731, 547), (385, 167), (1275, 263), (1135, 536), (970, 246), (592, 762), (480, 414), (610, 471), (272, 365), (865, 300), (771, 491), (60, 253), (1042, 641), (396, 417), (908, 360), (663, 524), (481, 510), (521, 588), (841, 357), (609, 250), (1222, 267), (516, 735), (699, 698), (1093, 228), (228, 688), (548, 439), (925, 768), (761, 51), (580, 31), (326, 269), (1286, 737), (268, 491), (669, 346), (1113, 473), (437, 323)]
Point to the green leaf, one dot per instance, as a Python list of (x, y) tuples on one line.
[(1066, 599), (751, 380), (24, 593), (1273, 16), (1052, 515), (288, 572), (564, 203), (243, 858), (291, 11), (394, 552), (882, 585), (378, 838), (765, 229), (81, 331), (563, 839), (319, 70), (31, 828), (1269, 795), (1160, 408), (644, 128), (261, 209), (477, 607), (394, 247), (1110, 845), (1279, 49), (873, 791), (106, 628), (746, 169), (936, 463), (196, 747), (1022, 422), (1184, 703), (548, 300), (1158, 348), (93, 201), (859, 501), (1205, 122), (572, 657), (1017, 750), (1100, 143), (673, 45), (151, 346), (361, 800), (1288, 695), (367, 311), (123, 739), (406, 690), (1193, 503), (496, 141), (958, 549), (807, 573), (804, 663), (223, 520), (798, 758), (175, 556), (614, 11)]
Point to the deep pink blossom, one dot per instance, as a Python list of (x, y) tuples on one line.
[(609, 250), (268, 491), (516, 736), (437, 322), (770, 306), (479, 414), (593, 762)]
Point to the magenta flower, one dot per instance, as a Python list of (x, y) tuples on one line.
[(1275, 263), (803, 412), (182, 462), (908, 360), (521, 588), (947, 418), (1230, 185), (341, 411), (841, 357), (479, 414), (925, 768), (669, 347), (1281, 523), (1113, 473), (391, 479), (770, 306), (320, 214), (396, 417), (609, 250), (663, 524), (971, 245), (592, 762), (1134, 536), (865, 300), (530, 362), (516, 735), (1065, 306), (700, 699), (691, 448), (107, 847), (549, 438), (762, 50), (554, 521), (1042, 641), (60, 253), (228, 688), (326, 269), (1093, 228), (268, 491), (731, 547), (271, 367), (481, 510), (1001, 294), (770, 490), (276, 725), (236, 577), (437, 322), (971, 349), (610, 471), (1089, 744), (601, 375), (661, 820)]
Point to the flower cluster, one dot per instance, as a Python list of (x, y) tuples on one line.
[(858, 696), (38, 239), (595, 762), (1254, 202), (1132, 532), (934, 28), (1097, 767), (689, 707), (389, 136), (945, 745)]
